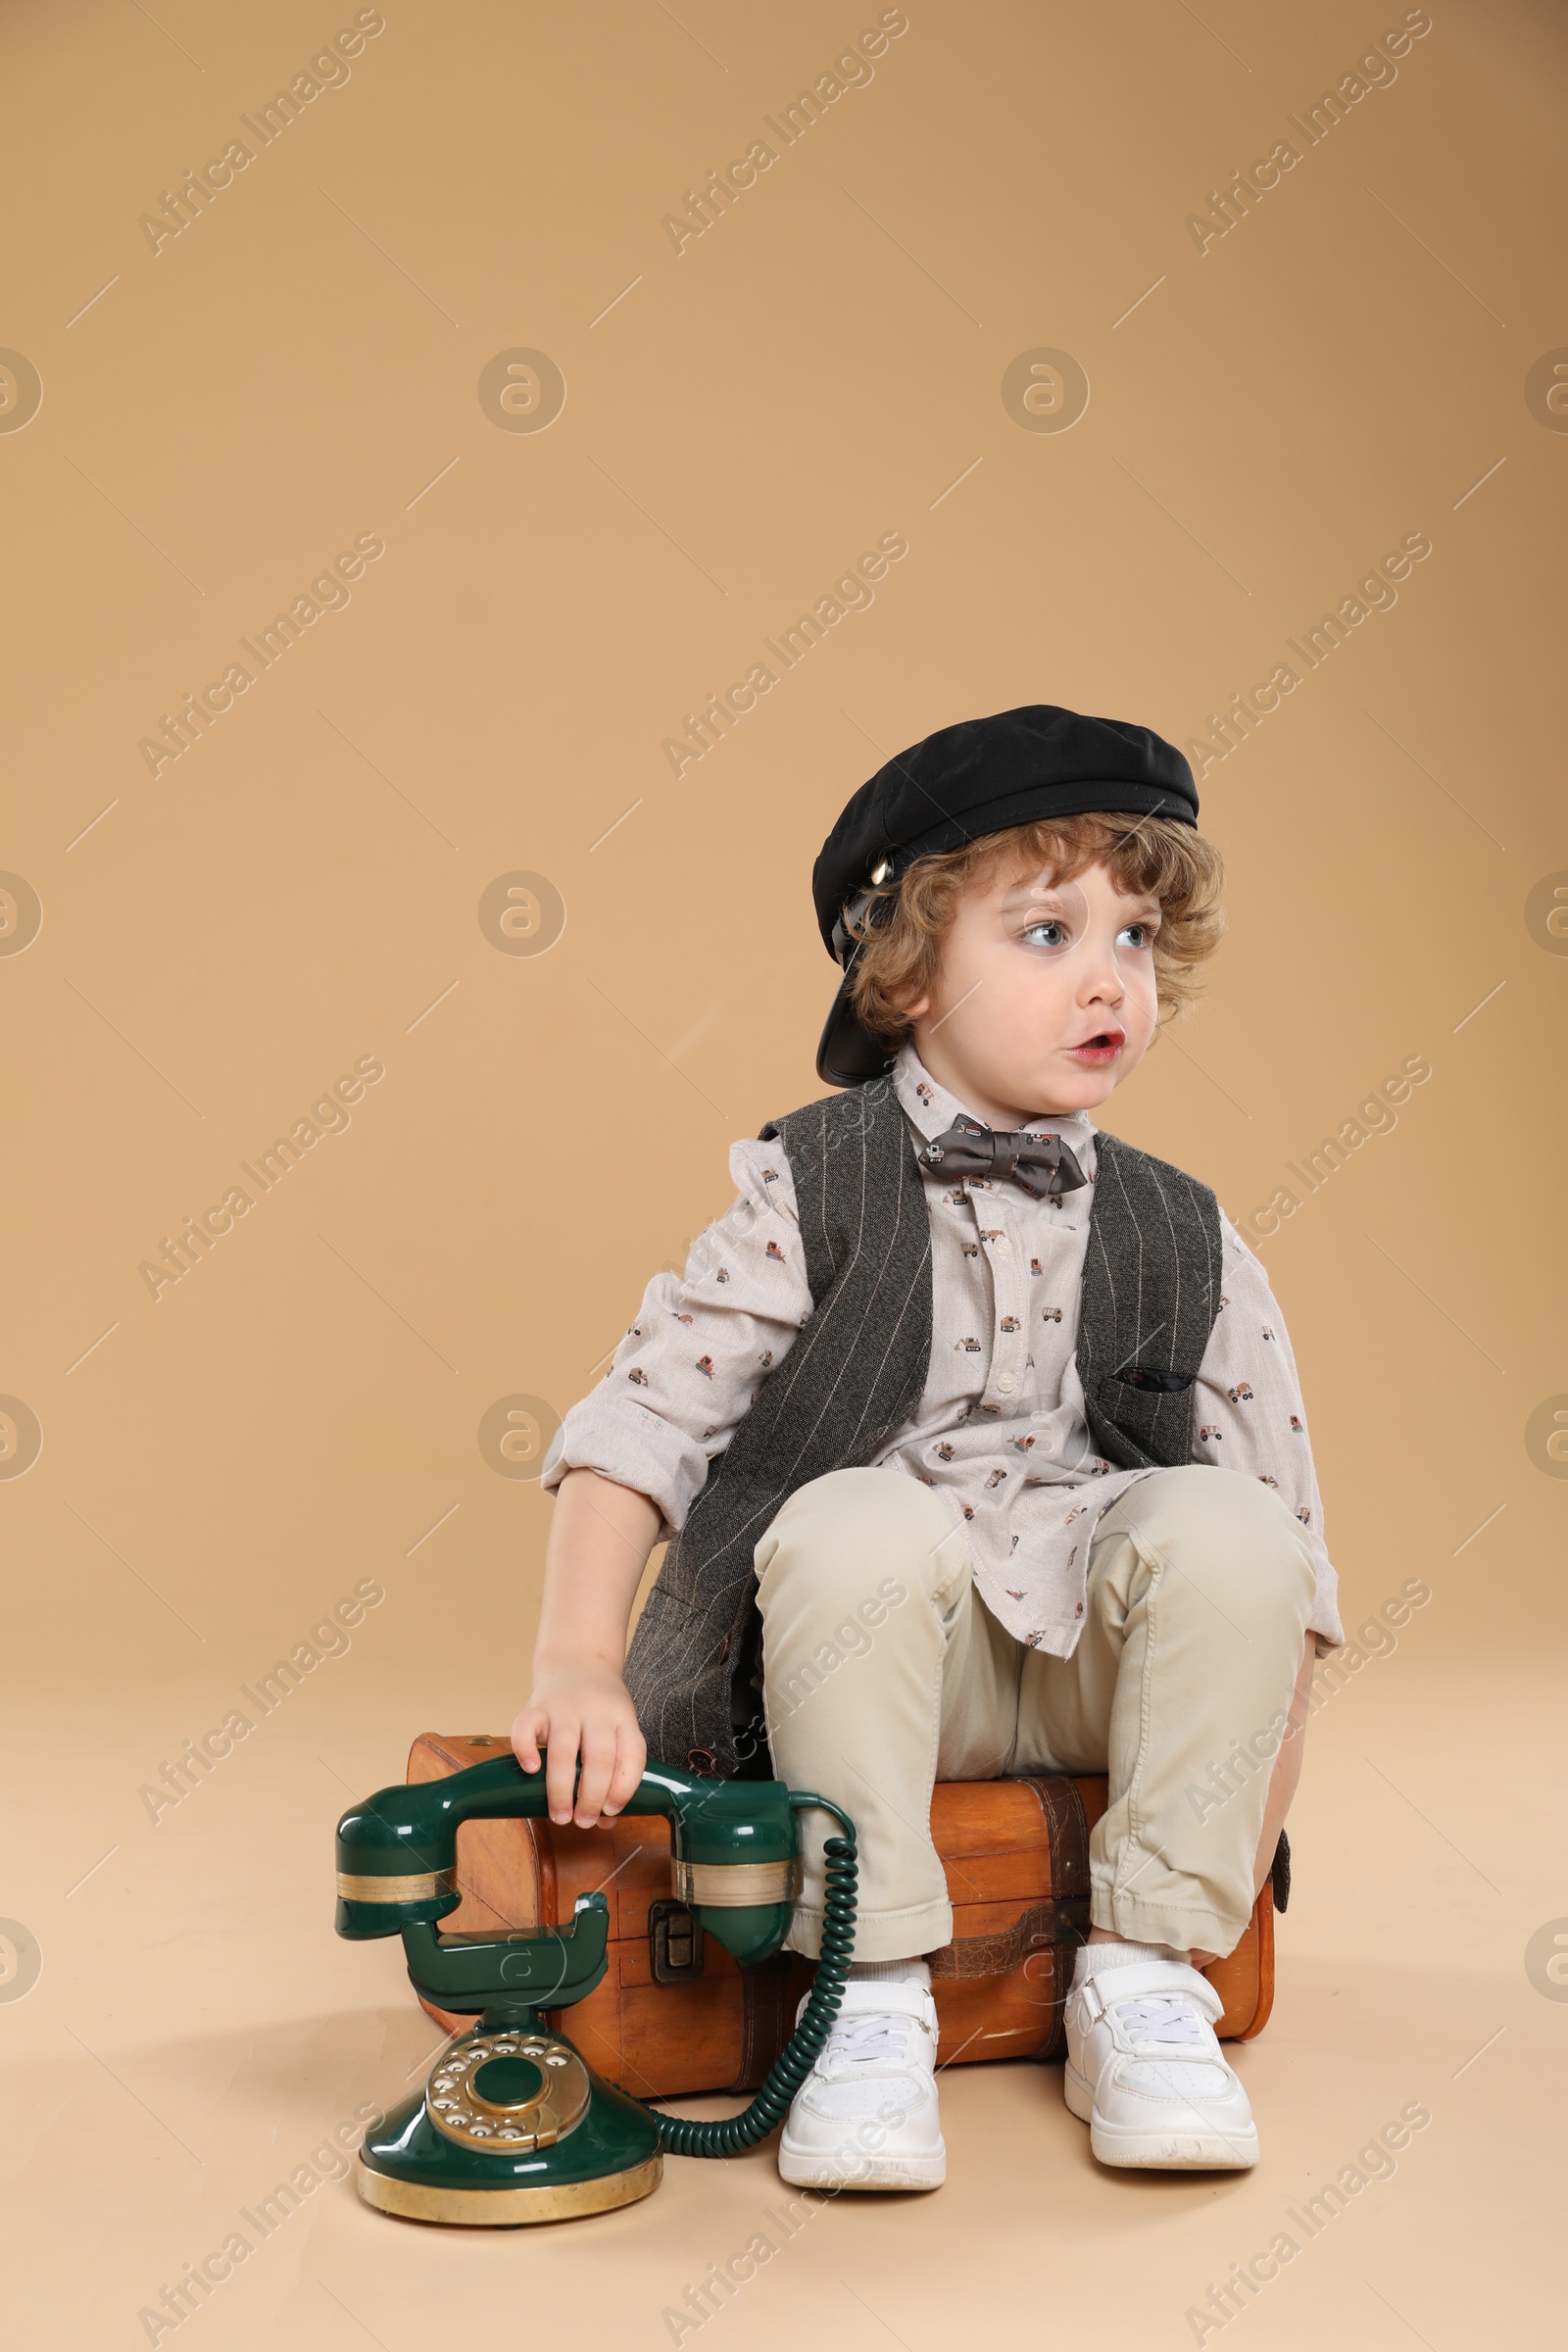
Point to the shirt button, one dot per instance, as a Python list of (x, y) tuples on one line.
[(1002, 1245), (1006, 1382)]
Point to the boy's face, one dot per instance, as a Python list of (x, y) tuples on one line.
[(1045, 1000)]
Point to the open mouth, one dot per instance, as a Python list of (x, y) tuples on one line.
[(1102, 1047)]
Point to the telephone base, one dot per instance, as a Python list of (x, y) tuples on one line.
[(510, 2128), (508, 2208)]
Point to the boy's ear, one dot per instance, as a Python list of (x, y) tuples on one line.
[(918, 1010)]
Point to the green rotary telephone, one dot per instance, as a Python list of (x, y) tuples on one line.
[(513, 2126)]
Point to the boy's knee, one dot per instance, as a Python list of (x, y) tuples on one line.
[(1234, 1542), (866, 1539), (851, 1566)]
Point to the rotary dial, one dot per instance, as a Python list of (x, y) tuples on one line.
[(508, 2091)]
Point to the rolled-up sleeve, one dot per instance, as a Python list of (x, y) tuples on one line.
[(690, 1367), (1248, 1412)]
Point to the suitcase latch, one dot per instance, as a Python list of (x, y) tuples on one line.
[(674, 1944)]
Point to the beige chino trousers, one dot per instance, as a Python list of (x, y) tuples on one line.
[(884, 1672)]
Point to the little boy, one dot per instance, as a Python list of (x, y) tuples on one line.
[(978, 1434)]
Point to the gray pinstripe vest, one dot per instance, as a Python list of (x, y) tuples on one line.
[(1151, 1293)]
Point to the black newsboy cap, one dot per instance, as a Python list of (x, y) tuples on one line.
[(961, 783)]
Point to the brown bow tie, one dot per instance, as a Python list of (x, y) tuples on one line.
[(1041, 1163)]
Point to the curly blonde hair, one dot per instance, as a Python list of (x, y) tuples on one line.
[(902, 952)]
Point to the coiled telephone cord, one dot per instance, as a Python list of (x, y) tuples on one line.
[(683, 2136)]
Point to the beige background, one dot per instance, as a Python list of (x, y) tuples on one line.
[(301, 889)]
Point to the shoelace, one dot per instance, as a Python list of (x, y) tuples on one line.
[(1164, 2019), (867, 2039)]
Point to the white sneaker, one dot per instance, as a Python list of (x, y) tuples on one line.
[(867, 2117), (1146, 2073)]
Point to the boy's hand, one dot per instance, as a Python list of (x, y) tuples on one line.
[(581, 1708), (599, 1539)]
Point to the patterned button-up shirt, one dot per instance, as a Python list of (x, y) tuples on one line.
[(999, 1433)]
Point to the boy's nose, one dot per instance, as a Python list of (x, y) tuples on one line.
[(1102, 983)]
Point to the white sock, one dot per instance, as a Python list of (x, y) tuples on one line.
[(1092, 1957), (891, 1972)]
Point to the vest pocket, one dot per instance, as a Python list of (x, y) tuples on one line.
[(1140, 1428)]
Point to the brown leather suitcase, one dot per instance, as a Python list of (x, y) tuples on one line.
[(675, 2013)]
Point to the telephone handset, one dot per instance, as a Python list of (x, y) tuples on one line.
[(513, 2126)]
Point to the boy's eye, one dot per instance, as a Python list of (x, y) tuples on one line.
[(1047, 931), (1136, 935)]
